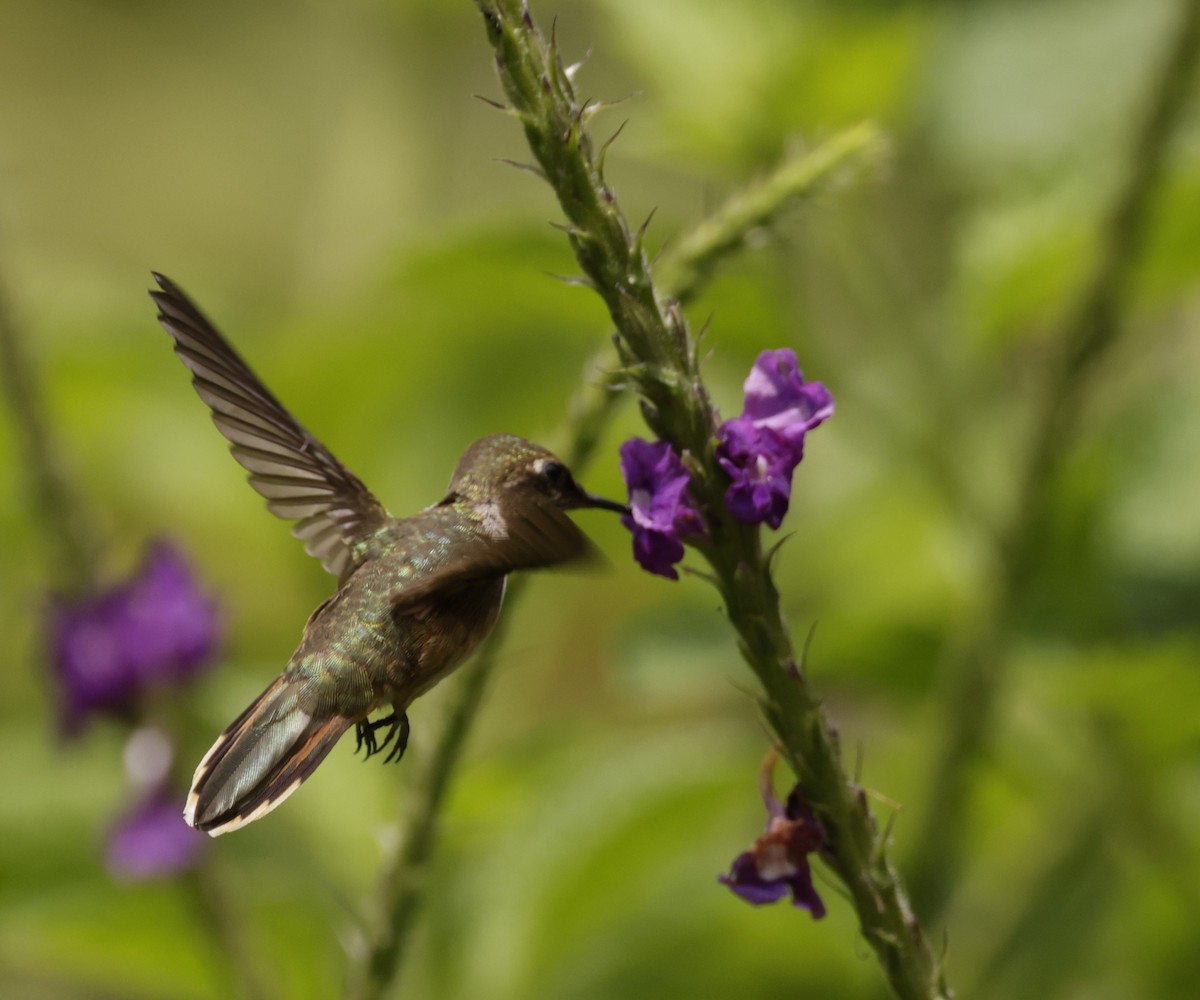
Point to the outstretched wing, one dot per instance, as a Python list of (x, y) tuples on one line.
[(298, 476)]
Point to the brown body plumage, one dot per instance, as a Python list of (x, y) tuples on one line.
[(415, 594)]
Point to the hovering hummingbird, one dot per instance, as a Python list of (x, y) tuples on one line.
[(415, 595)]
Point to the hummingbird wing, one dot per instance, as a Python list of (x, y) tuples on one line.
[(538, 535), (298, 476)]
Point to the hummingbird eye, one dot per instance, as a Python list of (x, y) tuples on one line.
[(555, 477), (556, 474)]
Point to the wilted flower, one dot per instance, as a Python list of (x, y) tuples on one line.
[(778, 862), (109, 648), (761, 449), (660, 509)]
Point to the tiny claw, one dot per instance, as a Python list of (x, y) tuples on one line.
[(401, 740), (364, 735), (364, 732)]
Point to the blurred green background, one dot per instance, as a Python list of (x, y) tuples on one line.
[(321, 179)]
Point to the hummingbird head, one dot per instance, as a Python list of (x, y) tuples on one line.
[(508, 470)]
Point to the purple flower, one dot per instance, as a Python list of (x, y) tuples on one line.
[(778, 397), (778, 862), (109, 648), (172, 627), (760, 464), (153, 840), (761, 449), (660, 508)]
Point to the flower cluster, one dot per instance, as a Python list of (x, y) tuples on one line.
[(109, 651), (777, 863), (759, 451), (112, 647)]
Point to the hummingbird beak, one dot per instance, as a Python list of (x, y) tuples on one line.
[(591, 500)]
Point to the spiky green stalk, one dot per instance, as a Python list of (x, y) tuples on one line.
[(659, 357), (691, 263)]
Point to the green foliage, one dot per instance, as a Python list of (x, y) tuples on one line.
[(319, 177)]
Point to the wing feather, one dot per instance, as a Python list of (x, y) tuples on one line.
[(540, 535), (298, 476)]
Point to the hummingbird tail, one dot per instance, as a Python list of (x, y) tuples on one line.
[(260, 759)]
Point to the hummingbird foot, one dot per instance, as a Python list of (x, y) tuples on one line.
[(364, 734), (401, 741)]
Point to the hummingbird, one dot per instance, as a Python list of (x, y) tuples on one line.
[(415, 595)]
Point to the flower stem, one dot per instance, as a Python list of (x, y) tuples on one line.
[(402, 885), (660, 360), (243, 977), (75, 549), (71, 546), (691, 262), (687, 266), (977, 666)]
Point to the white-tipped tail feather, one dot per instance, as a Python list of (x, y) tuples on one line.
[(264, 756)]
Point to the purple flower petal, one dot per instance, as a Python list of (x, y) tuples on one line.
[(760, 465), (657, 481), (172, 627), (745, 880), (804, 894), (94, 674), (153, 840), (656, 551), (660, 508), (778, 397), (761, 449), (108, 648), (777, 863)]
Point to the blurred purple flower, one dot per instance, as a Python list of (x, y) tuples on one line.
[(761, 449), (660, 508), (171, 624), (778, 862), (153, 840), (108, 648)]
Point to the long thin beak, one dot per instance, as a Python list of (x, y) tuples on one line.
[(591, 500)]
